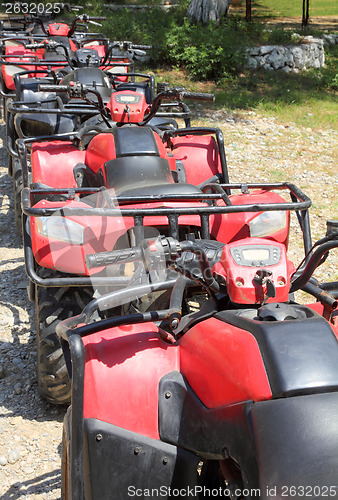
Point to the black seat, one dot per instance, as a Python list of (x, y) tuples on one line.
[(144, 176), (138, 169), (158, 189)]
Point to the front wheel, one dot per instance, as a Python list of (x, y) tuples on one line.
[(53, 305)]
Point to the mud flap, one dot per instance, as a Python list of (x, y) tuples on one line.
[(297, 446), (121, 464)]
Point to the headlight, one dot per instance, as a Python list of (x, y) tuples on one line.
[(267, 223), (61, 229)]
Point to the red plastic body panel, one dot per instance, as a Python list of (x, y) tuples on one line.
[(58, 29), (122, 373), (73, 46), (118, 69), (223, 364), (19, 64), (235, 226), (199, 155), (242, 287), (124, 366), (319, 308), (53, 163), (102, 149), (127, 112), (100, 48), (101, 234)]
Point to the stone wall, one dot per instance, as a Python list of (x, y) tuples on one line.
[(309, 54)]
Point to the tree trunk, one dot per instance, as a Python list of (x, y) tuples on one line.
[(248, 10), (305, 20), (202, 11)]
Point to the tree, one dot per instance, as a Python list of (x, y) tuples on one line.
[(248, 10), (305, 20), (207, 10)]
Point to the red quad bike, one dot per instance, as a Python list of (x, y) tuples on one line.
[(51, 115), (26, 19), (237, 396), (37, 113), (37, 54), (77, 161), (238, 399)]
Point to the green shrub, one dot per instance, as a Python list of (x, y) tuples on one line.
[(207, 51)]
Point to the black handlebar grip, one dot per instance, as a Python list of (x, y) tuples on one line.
[(96, 18), (34, 45), (142, 47), (52, 88), (197, 96), (103, 259)]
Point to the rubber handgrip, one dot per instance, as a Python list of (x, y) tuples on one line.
[(34, 45), (142, 47), (52, 88), (198, 96), (103, 259)]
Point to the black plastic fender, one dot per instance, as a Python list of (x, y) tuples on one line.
[(297, 446)]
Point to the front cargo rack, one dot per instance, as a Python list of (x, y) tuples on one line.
[(299, 203)]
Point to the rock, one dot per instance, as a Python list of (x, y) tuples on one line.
[(18, 388), (266, 49), (3, 460), (13, 456), (298, 57), (252, 62), (276, 58)]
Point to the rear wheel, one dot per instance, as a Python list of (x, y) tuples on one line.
[(52, 306)]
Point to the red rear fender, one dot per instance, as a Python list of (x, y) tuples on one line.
[(100, 48), (199, 156), (53, 163)]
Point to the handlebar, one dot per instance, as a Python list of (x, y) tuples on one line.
[(141, 47), (93, 18), (157, 253), (197, 96), (103, 259), (86, 19), (151, 252), (127, 45), (35, 45), (73, 89), (53, 88), (50, 44), (173, 93)]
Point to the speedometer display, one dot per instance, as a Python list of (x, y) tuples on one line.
[(256, 255), (127, 99)]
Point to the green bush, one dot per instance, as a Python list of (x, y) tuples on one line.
[(207, 51)]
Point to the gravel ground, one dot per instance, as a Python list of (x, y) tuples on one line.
[(258, 149)]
